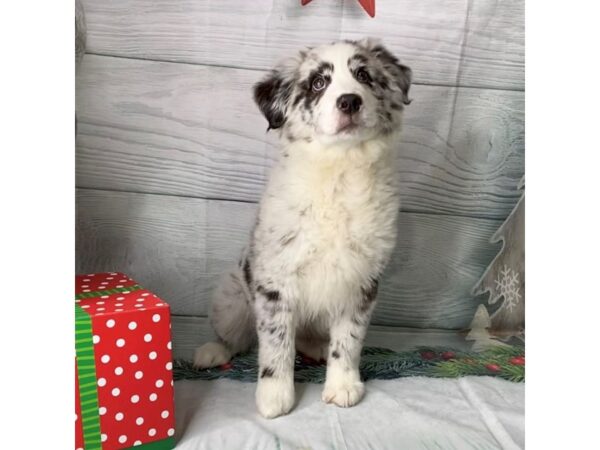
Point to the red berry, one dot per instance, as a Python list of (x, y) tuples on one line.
[(448, 355), (226, 366), (493, 367), (427, 355), (517, 360)]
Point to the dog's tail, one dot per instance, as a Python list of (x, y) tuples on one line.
[(232, 319)]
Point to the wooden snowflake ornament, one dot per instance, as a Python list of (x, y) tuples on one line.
[(368, 5)]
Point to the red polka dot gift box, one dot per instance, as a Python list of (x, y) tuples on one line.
[(124, 379)]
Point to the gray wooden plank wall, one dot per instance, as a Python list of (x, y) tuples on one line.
[(172, 155), (461, 152), (446, 42), (178, 247)]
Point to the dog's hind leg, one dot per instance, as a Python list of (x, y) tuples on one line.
[(233, 321)]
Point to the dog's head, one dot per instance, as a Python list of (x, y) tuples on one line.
[(346, 91)]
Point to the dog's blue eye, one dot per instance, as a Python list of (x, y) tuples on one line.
[(318, 84), (363, 76)]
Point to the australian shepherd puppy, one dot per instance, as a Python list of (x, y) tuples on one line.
[(326, 224)]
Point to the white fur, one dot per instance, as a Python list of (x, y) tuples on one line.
[(343, 388), (274, 397), (347, 233), (211, 354)]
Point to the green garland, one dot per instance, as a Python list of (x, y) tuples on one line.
[(383, 364)]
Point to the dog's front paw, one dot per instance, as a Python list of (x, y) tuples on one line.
[(343, 391), (274, 397)]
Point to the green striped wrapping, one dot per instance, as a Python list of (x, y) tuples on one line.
[(86, 373), (95, 294)]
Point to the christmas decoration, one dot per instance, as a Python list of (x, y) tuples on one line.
[(380, 363), (78, 423), (124, 382), (427, 355), (479, 331), (517, 360), (504, 279), (368, 5), (448, 355), (493, 367)]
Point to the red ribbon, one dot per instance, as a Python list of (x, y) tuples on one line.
[(368, 5)]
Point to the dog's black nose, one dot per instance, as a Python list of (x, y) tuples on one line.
[(349, 103)]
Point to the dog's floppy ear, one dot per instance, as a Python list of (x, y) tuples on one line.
[(272, 95), (401, 74)]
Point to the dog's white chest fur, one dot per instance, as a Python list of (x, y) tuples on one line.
[(328, 223)]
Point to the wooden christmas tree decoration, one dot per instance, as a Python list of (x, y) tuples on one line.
[(504, 278), (368, 5), (479, 331)]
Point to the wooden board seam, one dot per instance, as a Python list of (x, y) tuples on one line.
[(231, 200), (258, 69)]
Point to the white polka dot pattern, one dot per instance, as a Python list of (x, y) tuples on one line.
[(131, 337)]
